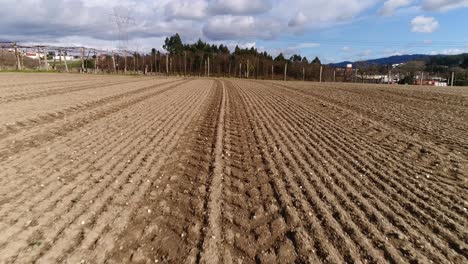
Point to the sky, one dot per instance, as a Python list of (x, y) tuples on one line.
[(333, 30)]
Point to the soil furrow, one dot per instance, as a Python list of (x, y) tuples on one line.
[(133, 169), (324, 128)]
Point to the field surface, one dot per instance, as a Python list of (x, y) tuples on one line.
[(119, 169)]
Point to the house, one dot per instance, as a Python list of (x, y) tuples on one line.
[(432, 81), (34, 55)]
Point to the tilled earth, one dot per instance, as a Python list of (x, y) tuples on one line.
[(114, 169)]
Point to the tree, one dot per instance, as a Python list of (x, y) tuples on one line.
[(464, 64), (407, 80), (317, 61), (296, 58), (280, 57), (174, 45)]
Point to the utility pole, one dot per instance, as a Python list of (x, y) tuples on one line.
[(303, 74), (95, 62), (87, 60), (285, 70), (82, 60), (272, 71), (155, 63), (113, 62), (389, 74), (45, 58), (240, 70), (60, 57), (125, 62), (61, 54), (185, 63), (257, 61), (321, 71), (208, 64), (18, 61), (453, 78), (422, 77), (334, 75), (39, 57), (167, 64), (171, 65), (66, 64), (247, 70), (54, 66)]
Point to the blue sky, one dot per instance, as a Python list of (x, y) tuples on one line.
[(333, 30)]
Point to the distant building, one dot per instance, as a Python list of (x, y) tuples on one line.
[(34, 55), (431, 83), (63, 57), (349, 69), (378, 78)]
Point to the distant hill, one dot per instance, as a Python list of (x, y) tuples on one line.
[(388, 60)]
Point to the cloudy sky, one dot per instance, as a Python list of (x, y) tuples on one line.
[(334, 30)]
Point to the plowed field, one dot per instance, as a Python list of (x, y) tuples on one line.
[(114, 169)]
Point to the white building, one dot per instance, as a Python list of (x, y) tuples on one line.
[(63, 57), (34, 55)]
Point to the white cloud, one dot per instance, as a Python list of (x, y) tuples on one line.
[(391, 6), (239, 7), (307, 45), (392, 52), (312, 14), (346, 49), (240, 27), (449, 52), (288, 51), (443, 5), (243, 20), (424, 24), (186, 9), (298, 20), (365, 53)]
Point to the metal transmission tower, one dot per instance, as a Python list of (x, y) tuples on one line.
[(122, 21)]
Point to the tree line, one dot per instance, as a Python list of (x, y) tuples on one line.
[(205, 59)]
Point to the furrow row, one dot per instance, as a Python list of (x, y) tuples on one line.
[(79, 160), (172, 228), (127, 178), (323, 129)]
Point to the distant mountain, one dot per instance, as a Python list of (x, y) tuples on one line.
[(385, 61)]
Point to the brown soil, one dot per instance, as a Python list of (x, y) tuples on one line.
[(114, 169)]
